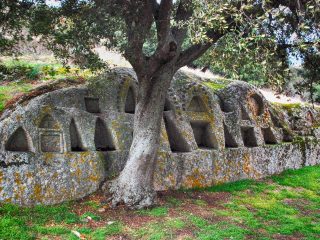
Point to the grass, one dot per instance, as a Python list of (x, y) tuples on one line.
[(18, 76), (285, 206), (10, 90)]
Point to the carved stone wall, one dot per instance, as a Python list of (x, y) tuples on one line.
[(63, 144)]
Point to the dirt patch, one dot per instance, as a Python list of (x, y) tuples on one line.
[(283, 237), (119, 237), (184, 234), (212, 199), (301, 205)]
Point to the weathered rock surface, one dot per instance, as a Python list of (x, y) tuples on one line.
[(63, 144)]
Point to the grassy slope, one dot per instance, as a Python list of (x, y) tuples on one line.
[(21, 76), (281, 207)]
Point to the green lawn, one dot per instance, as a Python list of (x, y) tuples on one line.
[(281, 207)]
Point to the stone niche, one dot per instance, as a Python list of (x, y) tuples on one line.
[(255, 103), (75, 139), (130, 103), (50, 135), (203, 134), (102, 137), (92, 104), (18, 141)]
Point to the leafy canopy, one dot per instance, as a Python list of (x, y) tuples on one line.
[(240, 37)]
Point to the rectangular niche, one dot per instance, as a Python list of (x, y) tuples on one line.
[(203, 135), (268, 136), (92, 104), (177, 142), (230, 142), (249, 137), (51, 142)]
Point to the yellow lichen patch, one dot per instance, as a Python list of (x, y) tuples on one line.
[(45, 111), (7, 200), (1, 177), (37, 193), (18, 192), (93, 178), (78, 173), (247, 168), (19, 117), (17, 179), (48, 157), (195, 180), (29, 175)]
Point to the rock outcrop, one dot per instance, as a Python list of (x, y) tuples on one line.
[(61, 145)]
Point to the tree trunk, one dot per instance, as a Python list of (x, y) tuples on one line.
[(134, 186)]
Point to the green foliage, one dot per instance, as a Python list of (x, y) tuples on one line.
[(310, 74), (247, 59), (22, 70), (251, 40)]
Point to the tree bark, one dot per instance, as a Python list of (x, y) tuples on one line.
[(134, 186)]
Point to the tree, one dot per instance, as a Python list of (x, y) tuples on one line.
[(310, 73), (176, 33)]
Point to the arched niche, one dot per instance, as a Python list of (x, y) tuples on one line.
[(18, 141), (196, 105), (130, 103), (102, 137), (75, 139), (255, 103)]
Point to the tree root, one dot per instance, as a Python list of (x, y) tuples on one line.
[(131, 194)]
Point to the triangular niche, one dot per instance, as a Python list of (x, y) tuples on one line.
[(196, 105), (76, 143), (48, 122), (18, 141)]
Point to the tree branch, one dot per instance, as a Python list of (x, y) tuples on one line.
[(138, 24), (163, 21), (192, 53), (184, 13)]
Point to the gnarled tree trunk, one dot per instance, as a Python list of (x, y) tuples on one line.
[(134, 186)]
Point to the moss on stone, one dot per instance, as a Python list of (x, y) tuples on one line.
[(215, 85)]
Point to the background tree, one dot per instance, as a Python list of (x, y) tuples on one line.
[(310, 74), (158, 38)]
